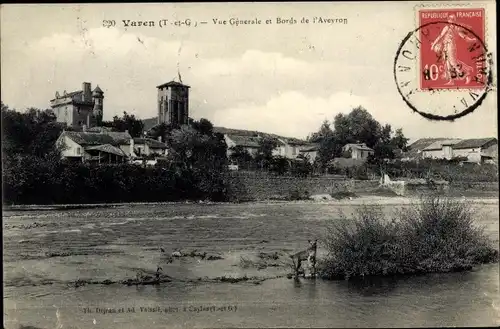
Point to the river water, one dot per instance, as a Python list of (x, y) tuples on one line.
[(41, 260)]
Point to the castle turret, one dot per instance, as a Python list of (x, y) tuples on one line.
[(98, 98)]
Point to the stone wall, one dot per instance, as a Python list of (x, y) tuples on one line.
[(261, 186), (246, 186)]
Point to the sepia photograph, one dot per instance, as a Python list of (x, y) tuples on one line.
[(250, 165)]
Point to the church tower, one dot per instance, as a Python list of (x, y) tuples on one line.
[(98, 98), (173, 103)]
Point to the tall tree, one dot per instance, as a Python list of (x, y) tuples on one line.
[(126, 122), (203, 155), (357, 127), (383, 147), (33, 132), (324, 131), (264, 154), (329, 146), (400, 141)]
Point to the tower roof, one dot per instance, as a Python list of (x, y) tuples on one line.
[(173, 84), (97, 90)]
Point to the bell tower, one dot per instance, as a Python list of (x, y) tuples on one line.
[(173, 103)]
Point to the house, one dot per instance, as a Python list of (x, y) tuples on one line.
[(250, 140), (477, 150), (290, 147), (416, 148), (79, 108), (140, 147), (358, 151), (310, 152), (441, 149), (101, 147), (248, 143)]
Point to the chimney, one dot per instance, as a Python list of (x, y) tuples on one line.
[(159, 138), (126, 131), (87, 93)]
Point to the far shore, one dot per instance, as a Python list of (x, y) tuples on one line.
[(360, 200)]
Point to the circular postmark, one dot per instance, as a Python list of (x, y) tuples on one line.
[(443, 70)]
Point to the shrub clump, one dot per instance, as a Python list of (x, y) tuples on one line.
[(298, 194), (433, 235), (343, 195)]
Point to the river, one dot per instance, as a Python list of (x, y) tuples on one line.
[(41, 260)]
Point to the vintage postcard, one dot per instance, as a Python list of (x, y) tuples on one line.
[(236, 165)]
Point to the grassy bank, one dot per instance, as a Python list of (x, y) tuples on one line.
[(433, 235)]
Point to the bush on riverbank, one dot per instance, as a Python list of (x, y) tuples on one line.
[(32, 180), (434, 235)]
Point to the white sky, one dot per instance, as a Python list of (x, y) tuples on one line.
[(283, 79)]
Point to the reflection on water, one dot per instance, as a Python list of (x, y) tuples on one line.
[(455, 299)]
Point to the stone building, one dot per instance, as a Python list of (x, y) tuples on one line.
[(79, 108), (173, 103)]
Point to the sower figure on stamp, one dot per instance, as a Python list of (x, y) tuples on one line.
[(445, 45), (308, 255)]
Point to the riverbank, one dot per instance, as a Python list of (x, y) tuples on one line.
[(316, 199)]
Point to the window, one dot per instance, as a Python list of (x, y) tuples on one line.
[(78, 150)]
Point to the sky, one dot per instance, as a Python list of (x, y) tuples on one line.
[(276, 78)]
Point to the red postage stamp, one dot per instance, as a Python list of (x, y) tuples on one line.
[(449, 38)]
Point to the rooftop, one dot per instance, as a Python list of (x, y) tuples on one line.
[(362, 147), (438, 145), (248, 141), (254, 133), (107, 148), (98, 90), (312, 148), (473, 143), (173, 84), (422, 143), (92, 138), (153, 143)]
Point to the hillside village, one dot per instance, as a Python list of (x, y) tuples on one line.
[(79, 157), (82, 110)]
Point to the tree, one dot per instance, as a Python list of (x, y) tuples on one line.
[(329, 145), (383, 148), (202, 157), (400, 141), (357, 127), (301, 166), (33, 132), (240, 155), (126, 122), (279, 165), (204, 126), (324, 132), (265, 151), (162, 130)]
